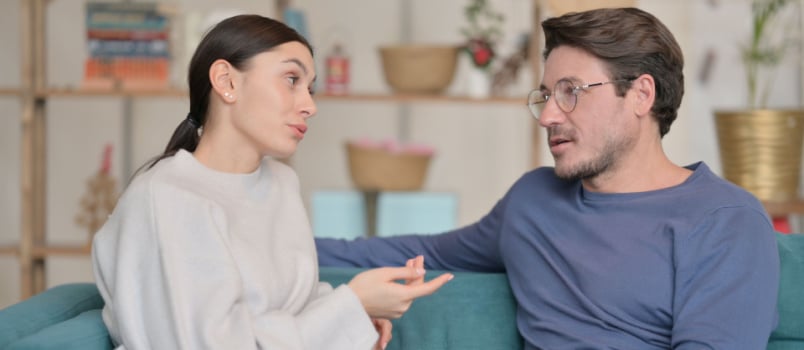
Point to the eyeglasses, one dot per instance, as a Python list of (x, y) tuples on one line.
[(566, 94)]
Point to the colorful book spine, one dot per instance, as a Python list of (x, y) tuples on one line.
[(128, 45), (128, 48)]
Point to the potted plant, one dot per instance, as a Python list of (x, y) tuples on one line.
[(760, 147), (482, 33)]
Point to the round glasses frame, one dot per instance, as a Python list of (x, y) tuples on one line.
[(566, 94)]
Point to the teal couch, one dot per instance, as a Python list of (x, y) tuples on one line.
[(473, 311)]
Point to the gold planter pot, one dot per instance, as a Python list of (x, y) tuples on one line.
[(760, 150)]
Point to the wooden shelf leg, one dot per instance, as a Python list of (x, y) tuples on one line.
[(370, 202)]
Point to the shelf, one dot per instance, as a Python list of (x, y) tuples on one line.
[(64, 250), (68, 92), (10, 92), (176, 92), (777, 209), (8, 250), (421, 98), (45, 251)]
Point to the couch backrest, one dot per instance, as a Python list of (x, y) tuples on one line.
[(789, 334), (473, 311), (68, 316)]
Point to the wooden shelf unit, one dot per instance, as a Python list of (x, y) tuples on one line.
[(356, 97), (406, 98), (70, 92), (32, 249), (8, 250), (5, 91), (61, 250), (782, 209)]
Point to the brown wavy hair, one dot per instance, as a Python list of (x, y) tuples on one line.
[(631, 42)]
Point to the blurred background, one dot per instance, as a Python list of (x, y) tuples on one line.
[(481, 140)]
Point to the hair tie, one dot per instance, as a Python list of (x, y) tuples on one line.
[(192, 121)]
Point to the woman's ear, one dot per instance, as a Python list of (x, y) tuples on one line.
[(645, 88), (222, 75)]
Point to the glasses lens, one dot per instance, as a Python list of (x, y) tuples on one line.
[(565, 95), (536, 100)]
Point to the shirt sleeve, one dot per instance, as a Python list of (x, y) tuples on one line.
[(170, 282), (471, 248), (727, 279)]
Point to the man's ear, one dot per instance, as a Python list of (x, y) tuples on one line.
[(645, 88), (222, 76)]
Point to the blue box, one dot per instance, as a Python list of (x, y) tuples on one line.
[(342, 214), (338, 214), (415, 212)]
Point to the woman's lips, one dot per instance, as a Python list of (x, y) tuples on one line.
[(300, 130)]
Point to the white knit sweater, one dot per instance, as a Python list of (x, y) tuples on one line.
[(193, 258)]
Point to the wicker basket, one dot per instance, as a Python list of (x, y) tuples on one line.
[(419, 69), (379, 170)]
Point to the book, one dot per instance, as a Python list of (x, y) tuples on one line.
[(127, 15), (128, 45), (126, 73), (128, 48)]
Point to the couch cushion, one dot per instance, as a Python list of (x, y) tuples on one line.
[(790, 332), (83, 332), (47, 308), (473, 311)]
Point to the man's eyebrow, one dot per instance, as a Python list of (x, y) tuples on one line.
[(298, 63), (572, 79)]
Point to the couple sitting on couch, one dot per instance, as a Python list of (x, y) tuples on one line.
[(613, 247)]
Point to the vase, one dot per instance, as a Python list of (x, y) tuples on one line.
[(478, 84), (760, 151)]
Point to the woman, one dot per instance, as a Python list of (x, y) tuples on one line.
[(210, 247)]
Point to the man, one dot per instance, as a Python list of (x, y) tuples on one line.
[(615, 247)]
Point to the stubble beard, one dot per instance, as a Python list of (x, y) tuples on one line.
[(598, 165)]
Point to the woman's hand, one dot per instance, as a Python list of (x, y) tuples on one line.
[(383, 297), (383, 327)]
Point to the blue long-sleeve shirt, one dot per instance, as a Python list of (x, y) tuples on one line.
[(694, 266)]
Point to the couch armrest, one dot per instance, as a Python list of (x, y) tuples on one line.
[(52, 306), (85, 332), (473, 311)]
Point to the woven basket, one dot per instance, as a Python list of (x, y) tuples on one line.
[(761, 151), (419, 69), (379, 170)]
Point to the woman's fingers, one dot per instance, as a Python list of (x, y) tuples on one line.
[(383, 297), (429, 287), (383, 327)]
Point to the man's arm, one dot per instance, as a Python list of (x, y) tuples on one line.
[(727, 278), (471, 248)]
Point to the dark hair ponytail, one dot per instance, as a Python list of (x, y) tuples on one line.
[(236, 39)]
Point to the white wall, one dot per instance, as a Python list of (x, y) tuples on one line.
[(482, 149)]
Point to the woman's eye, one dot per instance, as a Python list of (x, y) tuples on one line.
[(292, 80)]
